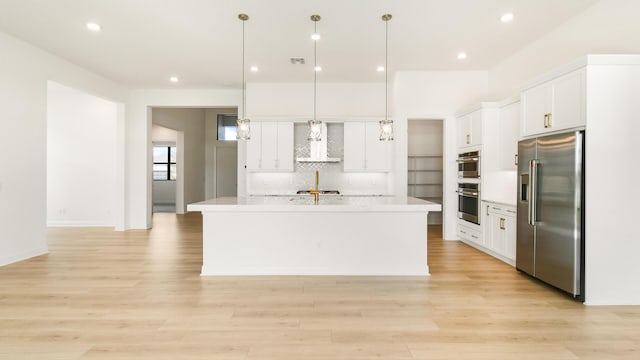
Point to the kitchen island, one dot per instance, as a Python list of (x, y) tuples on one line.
[(290, 235)]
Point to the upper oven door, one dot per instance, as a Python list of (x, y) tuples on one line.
[(469, 165)]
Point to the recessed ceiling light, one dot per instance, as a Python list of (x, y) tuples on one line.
[(94, 26), (174, 79), (317, 68), (315, 37), (254, 68), (506, 17), (462, 56), (380, 69)]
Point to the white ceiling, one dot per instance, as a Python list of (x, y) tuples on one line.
[(144, 42)]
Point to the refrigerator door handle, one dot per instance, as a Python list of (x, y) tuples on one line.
[(533, 191)]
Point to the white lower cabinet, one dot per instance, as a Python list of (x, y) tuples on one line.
[(469, 232), (499, 230)]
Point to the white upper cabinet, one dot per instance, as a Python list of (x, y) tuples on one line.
[(470, 129), (363, 150), (271, 146), (554, 105)]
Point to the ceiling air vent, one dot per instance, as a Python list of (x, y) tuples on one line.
[(297, 61)]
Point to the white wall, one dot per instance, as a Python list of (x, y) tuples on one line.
[(434, 95), (607, 27), (24, 71), (81, 158), (611, 150), (138, 144), (333, 100), (190, 122)]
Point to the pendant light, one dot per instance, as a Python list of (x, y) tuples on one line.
[(386, 125), (244, 124), (315, 125)]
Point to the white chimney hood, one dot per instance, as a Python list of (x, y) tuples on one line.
[(318, 150)]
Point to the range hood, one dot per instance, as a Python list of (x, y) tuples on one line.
[(318, 150)]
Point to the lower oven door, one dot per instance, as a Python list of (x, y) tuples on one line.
[(469, 204)]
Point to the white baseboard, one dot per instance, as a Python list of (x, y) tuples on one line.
[(6, 260), (79, 224)]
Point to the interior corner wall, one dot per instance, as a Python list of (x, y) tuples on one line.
[(81, 158), (434, 95), (25, 71), (607, 27)]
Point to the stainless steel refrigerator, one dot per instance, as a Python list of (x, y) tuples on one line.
[(550, 227)]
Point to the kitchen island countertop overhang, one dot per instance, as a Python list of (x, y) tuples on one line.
[(290, 235)]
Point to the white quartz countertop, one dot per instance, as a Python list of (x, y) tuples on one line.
[(327, 203)]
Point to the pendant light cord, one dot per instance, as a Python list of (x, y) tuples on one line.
[(315, 71), (386, 69), (244, 83)]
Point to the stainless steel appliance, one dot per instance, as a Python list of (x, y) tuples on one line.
[(469, 165), (550, 228), (469, 202)]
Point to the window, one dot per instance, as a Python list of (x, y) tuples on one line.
[(164, 163), (227, 127)]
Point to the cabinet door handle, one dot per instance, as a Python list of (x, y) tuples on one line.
[(502, 227), (515, 160), (487, 210), (473, 236), (468, 139), (463, 232), (549, 120), (546, 119)]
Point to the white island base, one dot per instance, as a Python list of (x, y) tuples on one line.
[(290, 236)]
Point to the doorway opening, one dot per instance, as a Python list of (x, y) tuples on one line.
[(165, 169), (425, 176), (205, 166)]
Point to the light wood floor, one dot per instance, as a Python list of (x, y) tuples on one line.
[(101, 294)]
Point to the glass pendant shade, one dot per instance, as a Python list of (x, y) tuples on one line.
[(244, 129), (315, 130), (386, 129)]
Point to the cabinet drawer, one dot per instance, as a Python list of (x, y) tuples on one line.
[(469, 234)]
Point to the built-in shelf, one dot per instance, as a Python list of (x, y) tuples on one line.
[(425, 177)]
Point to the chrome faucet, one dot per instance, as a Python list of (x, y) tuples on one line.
[(316, 191)]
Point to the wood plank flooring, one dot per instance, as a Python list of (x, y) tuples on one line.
[(101, 294)]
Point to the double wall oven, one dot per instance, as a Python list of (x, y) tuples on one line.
[(469, 186)]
